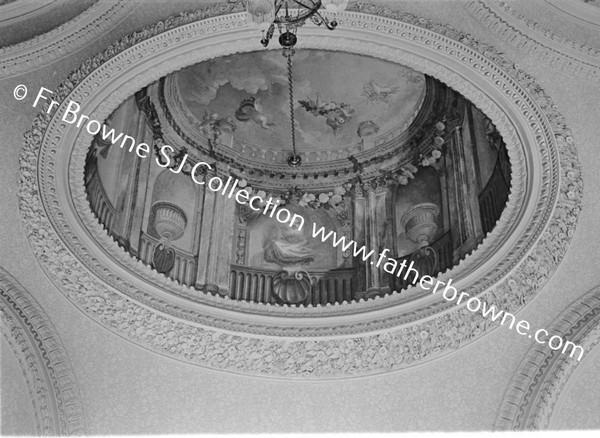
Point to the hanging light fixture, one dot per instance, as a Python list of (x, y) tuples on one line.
[(287, 16)]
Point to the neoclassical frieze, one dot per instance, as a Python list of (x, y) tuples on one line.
[(64, 40), (366, 337), (46, 367), (530, 399), (526, 35)]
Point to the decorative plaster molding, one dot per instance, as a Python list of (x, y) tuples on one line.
[(526, 35), (47, 48), (546, 33), (578, 10), (367, 337), (530, 399), (43, 359), (20, 10)]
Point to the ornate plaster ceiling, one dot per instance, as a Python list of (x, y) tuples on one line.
[(42, 49), (510, 266), (548, 47)]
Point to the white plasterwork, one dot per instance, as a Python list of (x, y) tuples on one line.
[(367, 337)]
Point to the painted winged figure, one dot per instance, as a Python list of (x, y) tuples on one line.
[(251, 109), (336, 114)]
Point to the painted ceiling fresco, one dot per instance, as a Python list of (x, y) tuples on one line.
[(338, 96)]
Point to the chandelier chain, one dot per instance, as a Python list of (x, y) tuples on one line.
[(268, 15), (291, 96)]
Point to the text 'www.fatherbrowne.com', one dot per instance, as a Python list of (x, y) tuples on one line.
[(450, 293), (272, 208)]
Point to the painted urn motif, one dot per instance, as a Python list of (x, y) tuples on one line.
[(169, 221), (420, 223)]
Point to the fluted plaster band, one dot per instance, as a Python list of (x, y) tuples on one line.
[(46, 367), (65, 39), (530, 399), (550, 48)]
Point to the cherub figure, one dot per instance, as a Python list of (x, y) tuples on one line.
[(213, 125), (336, 114), (251, 109)]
